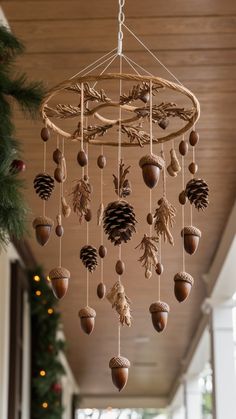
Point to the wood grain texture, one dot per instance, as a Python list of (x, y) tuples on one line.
[(197, 41)]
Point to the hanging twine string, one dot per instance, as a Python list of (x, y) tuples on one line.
[(91, 67), (101, 200), (151, 148), (119, 327), (131, 62), (151, 53), (158, 276), (44, 170), (163, 172), (183, 209), (87, 288), (87, 174)]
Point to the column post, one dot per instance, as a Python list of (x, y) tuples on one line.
[(222, 354)]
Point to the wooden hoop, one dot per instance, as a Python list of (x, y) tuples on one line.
[(128, 77)]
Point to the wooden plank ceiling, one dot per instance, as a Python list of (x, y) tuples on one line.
[(197, 41)]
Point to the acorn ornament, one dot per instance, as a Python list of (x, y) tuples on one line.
[(43, 227), (101, 161), (183, 148), (82, 158), (120, 267), (60, 280), (87, 319), (151, 167), (159, 311), (45, 134), (193, 138), (102, 251), (101, 290), (119, 371), (191, 236), (183, 285)]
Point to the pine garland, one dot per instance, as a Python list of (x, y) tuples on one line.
[(13, 210), (45, 323)]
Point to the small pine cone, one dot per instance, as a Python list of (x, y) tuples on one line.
[(197, 192), (89, 256), (44, 185), (119, 222)]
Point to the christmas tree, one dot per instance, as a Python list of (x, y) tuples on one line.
[(28, 96)]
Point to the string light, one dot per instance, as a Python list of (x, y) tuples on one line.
[(42, 373), (48, 279), (38, 293), (36, 278), (50, 310), (45, 405)]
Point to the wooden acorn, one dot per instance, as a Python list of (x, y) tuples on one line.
[(57, 155), (151, 166), (183, 285), (101, 161), (101, 290), (164, 123), (159, 311), (193, 138), (59, 230), (182, 198), (183, 148), (102, 251), (119, 371), (150, 219), (58, 175), (43, 227), (120, 267), (88, 215), (159, 268), (193, 168), (45, 134), (191, 237), (60, 280), (87, 319), (82, 158)]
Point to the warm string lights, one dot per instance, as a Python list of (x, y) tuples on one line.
[(46, 345)]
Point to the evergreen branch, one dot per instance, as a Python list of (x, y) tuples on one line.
[(10, 46), (28, 95)]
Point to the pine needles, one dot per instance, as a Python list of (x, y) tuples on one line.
[(13, 210)]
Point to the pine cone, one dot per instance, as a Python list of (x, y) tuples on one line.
[(88, 255), (197, 192), (44, 185), (119, 222)]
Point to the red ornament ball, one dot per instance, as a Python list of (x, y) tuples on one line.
[(17, 166), (57, 388)]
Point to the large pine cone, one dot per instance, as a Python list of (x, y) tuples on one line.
[(197, 192), (44, 185), (119, 222), (89, 256)]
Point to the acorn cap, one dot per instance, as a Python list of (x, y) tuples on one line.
[(153, 160), (59, 272), (159, 306), (184, 276), (87, 312), (42, 221), (119, 362), (191, 230)]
